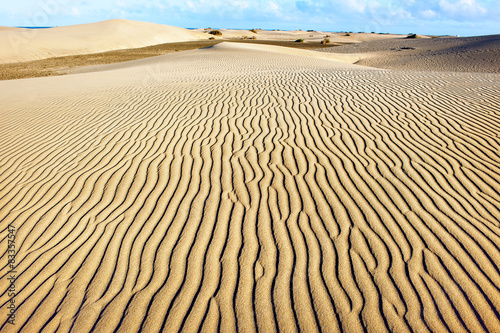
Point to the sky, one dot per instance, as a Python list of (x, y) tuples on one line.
[(429, 17)]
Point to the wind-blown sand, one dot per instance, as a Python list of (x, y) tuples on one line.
[(451, 54), (63, 65), (245, 188), (20, 44)]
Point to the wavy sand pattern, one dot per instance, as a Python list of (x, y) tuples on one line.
[(239, 188), (444, 54)]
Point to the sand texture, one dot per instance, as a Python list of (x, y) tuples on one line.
[(35, 44), (464, 54), (251, 188)]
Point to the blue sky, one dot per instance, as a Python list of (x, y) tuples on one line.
[(440, 17)]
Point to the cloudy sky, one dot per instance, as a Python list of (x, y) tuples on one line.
[(440, 17)]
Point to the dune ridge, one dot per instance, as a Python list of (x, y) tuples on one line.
[(444, 54), (255, 191), (34, 44)]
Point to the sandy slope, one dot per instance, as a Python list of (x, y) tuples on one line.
[(12, 29), (237, 188), (26, 44), (466, 54)]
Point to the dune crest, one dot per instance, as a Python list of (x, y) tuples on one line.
[(26, 44), (238, 189), (444, 54)]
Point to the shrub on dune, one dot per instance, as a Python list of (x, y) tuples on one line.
[(325, 41), (254, 31), (300, 40), (215, 32)]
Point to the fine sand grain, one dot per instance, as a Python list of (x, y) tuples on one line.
[(251, 188)]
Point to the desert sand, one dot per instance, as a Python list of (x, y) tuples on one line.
[(19, 44), (444, 54), (252, 188), (84, 62), (308, 36)]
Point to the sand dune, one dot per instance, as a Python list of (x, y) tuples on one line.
[(26, 44), (307, 36), (12, 29), (465, 54), (243, 188)]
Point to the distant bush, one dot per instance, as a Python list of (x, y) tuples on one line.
[(311, 30), (215, 32), (326, 36), (212, 37), (325, 41), (300, 40), (347, 34), (252, 37), (254, 31), (412, 35)]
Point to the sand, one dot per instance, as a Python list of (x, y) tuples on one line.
[(27, 53), (90, 62), (248, 187), (72, 63), (306, 36), (448, 54), (19, 44)]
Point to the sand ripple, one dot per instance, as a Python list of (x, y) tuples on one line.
[(241, 189)]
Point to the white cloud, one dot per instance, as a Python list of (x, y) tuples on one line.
[(368, 15), (273, 6), (428, 14), (462, 8), (75, 11)]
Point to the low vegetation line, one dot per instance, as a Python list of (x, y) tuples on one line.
[(59, 65)]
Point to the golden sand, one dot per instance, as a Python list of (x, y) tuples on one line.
[(252, 188)]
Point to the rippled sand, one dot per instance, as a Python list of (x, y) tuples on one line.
[(245, 188)]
